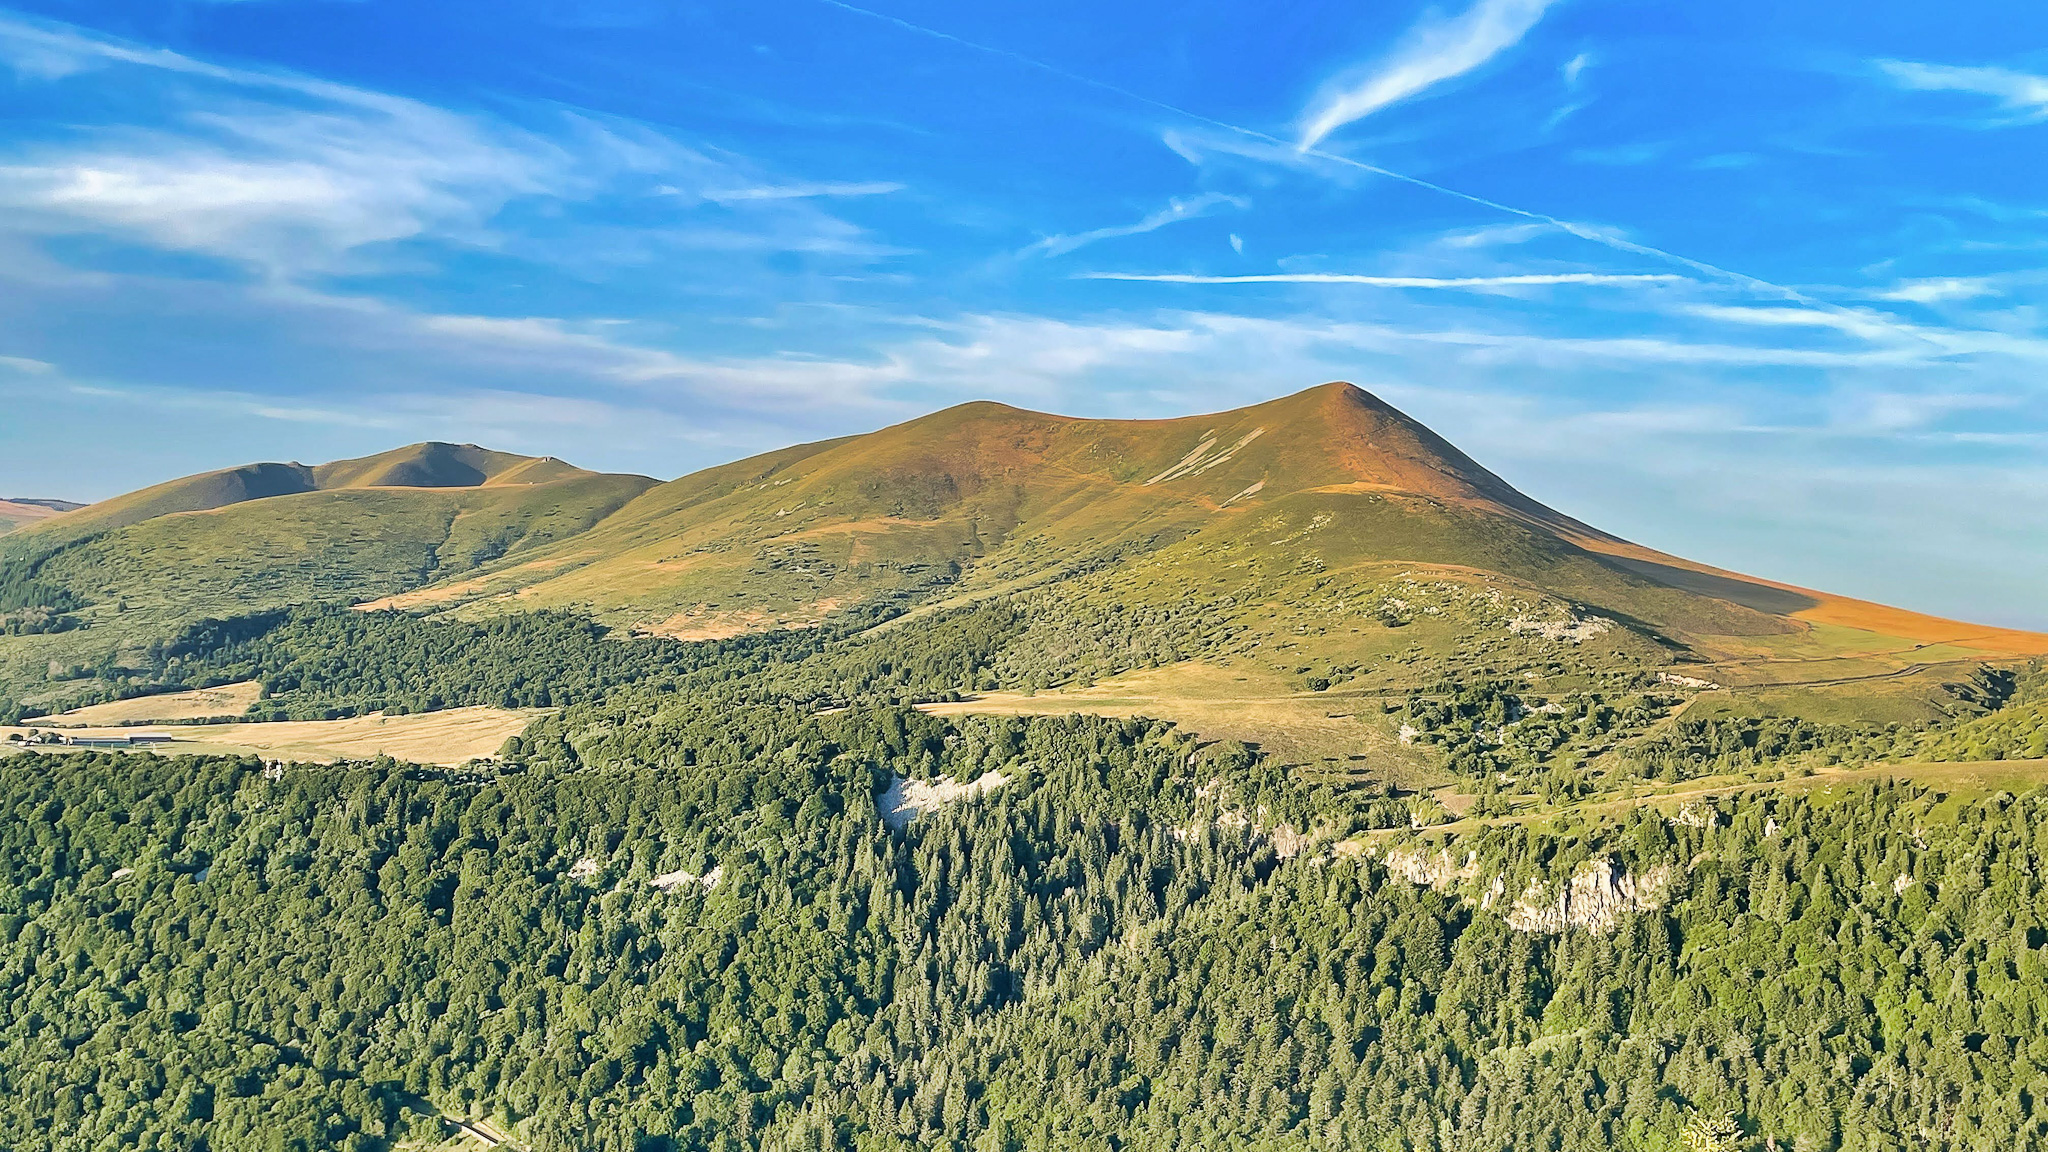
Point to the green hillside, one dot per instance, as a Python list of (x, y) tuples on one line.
[(426, 465), (984, 496), (806, 889), (84, 592), (1325, 531), (680, 924), (1315, 543)]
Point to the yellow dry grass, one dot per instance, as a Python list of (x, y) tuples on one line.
[(447, 738), (1332, 731), (702, 624), (198, 704)]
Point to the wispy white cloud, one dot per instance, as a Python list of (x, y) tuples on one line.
[(1528, 280), (2022, 94), (1867, 325), (1883, 412), (1493, 235), (296, 176), (284, 189), (26, 364), (797, 191), (1887, 336), (1937, 290), (1436, 50), (1176, 211), (41, 51), (1575, 67)]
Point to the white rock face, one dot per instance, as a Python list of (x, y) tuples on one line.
[(1570, 630), (585, 868), (1595, 899), (1698, 816), (670, 881), (1436, 870), (907, 799), (1287, 843)]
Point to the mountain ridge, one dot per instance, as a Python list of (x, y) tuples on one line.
[(960, 486), (427, 464), (21, 511), (1326, 524)]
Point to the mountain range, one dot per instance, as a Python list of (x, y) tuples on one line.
[(1325, 523)]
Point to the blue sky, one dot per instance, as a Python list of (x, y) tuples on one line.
[(1757, 283)]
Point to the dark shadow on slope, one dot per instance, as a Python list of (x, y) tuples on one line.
[(1761, 597)]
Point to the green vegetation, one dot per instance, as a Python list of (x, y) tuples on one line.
[(743, 893), (200, 954), (91, 592), (2017, 732)]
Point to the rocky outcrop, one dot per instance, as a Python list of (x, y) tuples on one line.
[(1570, 630), (906, 798), (1595, 899), (1698, 816), (1287, 843), (670, 881), (1435, 869)]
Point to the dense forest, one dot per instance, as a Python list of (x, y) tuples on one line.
[(325, 662), (678, 914), (730, 949)]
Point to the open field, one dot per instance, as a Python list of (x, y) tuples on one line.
[(1332, 731), (199, 704), (448, 738)]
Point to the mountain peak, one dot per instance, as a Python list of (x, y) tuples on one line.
[(428, 464)]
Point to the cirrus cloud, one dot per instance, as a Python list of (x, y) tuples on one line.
[(1435, 50)]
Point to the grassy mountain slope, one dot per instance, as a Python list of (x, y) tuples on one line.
[(1327, 496), (1320, 543), (987, 495), (426, 465), (112, 576)]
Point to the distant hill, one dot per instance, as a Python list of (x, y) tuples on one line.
[(21, 511), (125, 570), (428, 465)]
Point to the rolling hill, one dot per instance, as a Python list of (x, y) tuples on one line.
[(20, 512), (429, 465), (82, 587), (1323, 539)]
